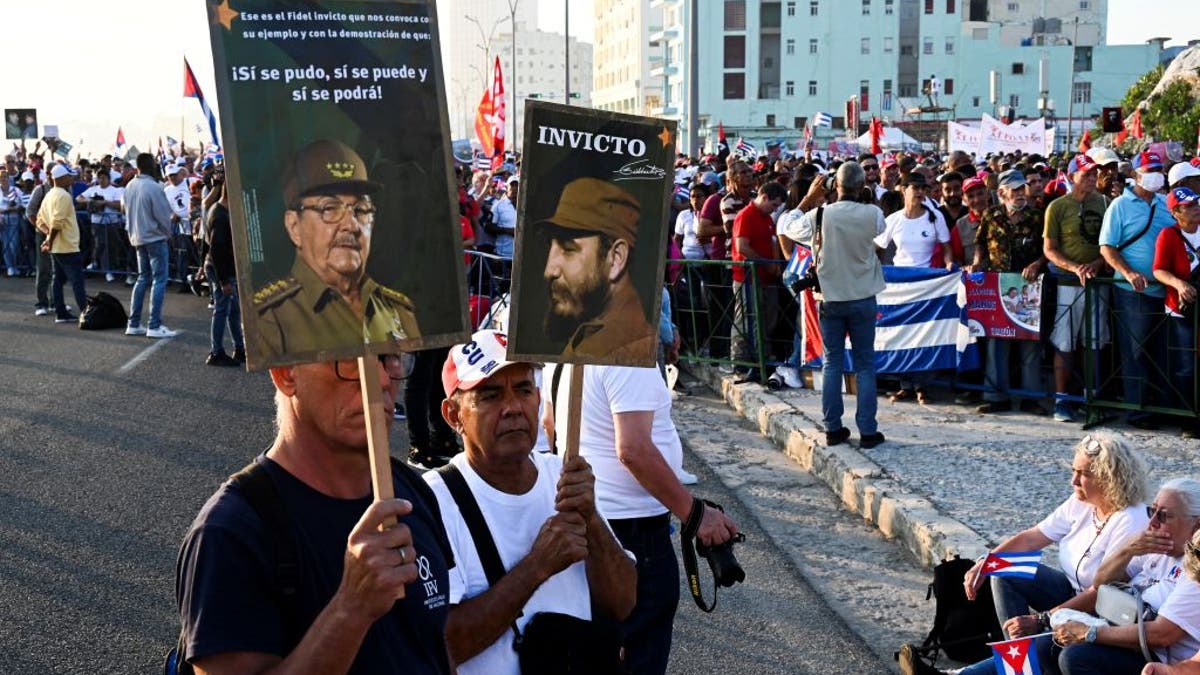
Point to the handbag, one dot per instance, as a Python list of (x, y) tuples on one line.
[(1121, 605), (553, 643)]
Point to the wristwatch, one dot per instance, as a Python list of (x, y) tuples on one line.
[(1091, 634)]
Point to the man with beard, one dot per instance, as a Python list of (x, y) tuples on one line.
[(329, 301), (1109, 181), (951, 205), (592, 237)]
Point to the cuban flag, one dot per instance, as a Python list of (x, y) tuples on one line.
[(822, 119), (1009, 564), (481, 162), (682, 193), (798, 265), (745, 148), (920, 324), (191, 89), (1015, 657)]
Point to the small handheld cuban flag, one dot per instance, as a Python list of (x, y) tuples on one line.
[(682, 193), (745, 148), (822, 119), (1010, 564), (1016, 657)]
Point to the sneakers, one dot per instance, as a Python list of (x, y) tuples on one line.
[(993, 407), (239, 355), (221, 359), (686, 477), (837, 437), (41, 311), (91, 267), (869, 441), (791, 376), (398, 412), (67, 318), (130, 279), (911, 662), (1063, 412), (424, 458), (725, 369), (160, 332), (135, 330)]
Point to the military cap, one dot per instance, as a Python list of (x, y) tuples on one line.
[(326, 167), (593, 205), (1012, 179)]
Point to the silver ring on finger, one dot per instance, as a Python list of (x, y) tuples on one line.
[(403, 559)]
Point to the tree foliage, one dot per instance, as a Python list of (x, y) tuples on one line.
[(1172, 114)]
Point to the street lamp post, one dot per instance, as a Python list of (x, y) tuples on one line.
[(567, 49), (512, 17), (485, 42)]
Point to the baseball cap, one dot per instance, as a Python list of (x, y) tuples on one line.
[(326, 167), (709, 178), (1148, 160), (1055, 188), (972, 183), (594, 205), (1181, 195), (469, 364), (61, 170), (1180, 171), (172, 169), (1084, 163), (28, 175), (1103, 156), (886, 161), (1012, 179)]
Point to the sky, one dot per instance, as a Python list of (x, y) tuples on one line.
[(84, 88)]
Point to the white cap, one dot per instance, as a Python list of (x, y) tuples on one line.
[(468, 365), (28, 175), (1180, 171), (61, 170), (1103, 156), (173, 169)]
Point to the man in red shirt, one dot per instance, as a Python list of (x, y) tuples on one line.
[(754, 239), (1176, 261)]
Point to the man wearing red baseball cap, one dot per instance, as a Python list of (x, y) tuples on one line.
[(1131, 226), (555, 551), (1071, 242)]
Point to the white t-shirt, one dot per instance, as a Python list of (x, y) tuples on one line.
[(915, 237), (607, 391), (1079, 546), (1182, 608), (1156, 575), (514, 521), (180, 200), (685, 225), (112, 193)]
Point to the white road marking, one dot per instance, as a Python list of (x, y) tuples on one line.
[(144, 354)]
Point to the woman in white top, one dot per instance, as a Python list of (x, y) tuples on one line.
[(688, 291), (916, 230), (686, 222), (1106, 508)]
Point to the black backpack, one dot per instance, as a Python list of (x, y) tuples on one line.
[(961, 627), (258, 488), (103, 311)]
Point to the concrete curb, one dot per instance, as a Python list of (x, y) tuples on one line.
[(861, 484)]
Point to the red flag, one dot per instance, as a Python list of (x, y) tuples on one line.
[(120, 138), (1136, 124), (1122, 135), (876, 134), (490, 117), (722, 144), (1198, 141), (1085, 143)]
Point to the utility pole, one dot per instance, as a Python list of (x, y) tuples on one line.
[(1071, 92), (512, 17), (693, 80), (567, 48)]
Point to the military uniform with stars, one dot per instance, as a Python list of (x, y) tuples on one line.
[(301, 314)]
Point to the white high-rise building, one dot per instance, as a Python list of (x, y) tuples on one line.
[(628, 38), (540, 73)]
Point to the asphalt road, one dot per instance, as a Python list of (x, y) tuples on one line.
[(110, 444)]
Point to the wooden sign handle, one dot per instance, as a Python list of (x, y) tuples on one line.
[(377, 431), (574, 410)]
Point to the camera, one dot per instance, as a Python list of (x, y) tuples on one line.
[(726, 570), (830, 183), (809, 280)]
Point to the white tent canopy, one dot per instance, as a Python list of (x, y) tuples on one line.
[(893, 139)]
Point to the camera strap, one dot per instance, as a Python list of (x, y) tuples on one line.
[(687, 544)]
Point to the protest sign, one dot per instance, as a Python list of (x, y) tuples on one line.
[(590, 245), (962, 137), (20, 123), (336, 144), (996, 136), (1003, 305)]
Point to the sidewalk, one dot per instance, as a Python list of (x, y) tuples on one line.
[(948, 480)]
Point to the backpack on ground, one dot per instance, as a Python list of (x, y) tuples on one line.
[(103, 311), (961, 627)]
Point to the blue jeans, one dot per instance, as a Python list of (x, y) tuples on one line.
[(1139, 335), (999, 353), (856, 318), (43, 270), (1017, 597), (226, 311), (1096, 659), (1047, 656), (1182, 349), (646, 633), (10, 240), (68, 266), (152, 261)]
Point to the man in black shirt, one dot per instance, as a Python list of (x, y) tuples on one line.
[(367, 600), (222, 276)]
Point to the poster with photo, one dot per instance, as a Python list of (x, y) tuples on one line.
[(1004, 305), (593, 197), (339, 177), (20, 123)]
